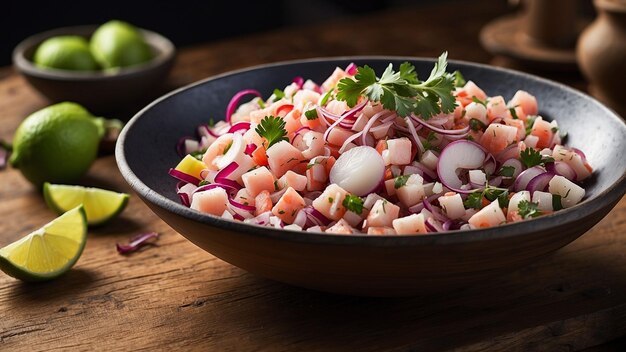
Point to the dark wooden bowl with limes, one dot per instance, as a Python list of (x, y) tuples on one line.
[(101, 90)]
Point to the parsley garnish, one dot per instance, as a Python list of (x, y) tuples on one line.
[(281, 212), (331, 199), (311, 114), (475, 200), (275, 185), (427, 144), (530, 157), (528, 209), (203, 183), (530, 121), (459, 80), (554, 129), (556, 202), (513, 113), (477, 125), (400, 181), (506, 171), (211, 122), (273, 129), (353, 203), (402, 91)]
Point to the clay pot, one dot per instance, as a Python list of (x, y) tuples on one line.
[(601, 54)]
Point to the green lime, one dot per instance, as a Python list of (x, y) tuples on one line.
[(65, 53), (100, 205), (119, 44), (56, 144), (49, 251)]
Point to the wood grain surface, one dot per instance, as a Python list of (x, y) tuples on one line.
[(174, 296)]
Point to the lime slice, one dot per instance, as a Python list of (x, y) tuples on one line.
[(100, 205), (48, 252)]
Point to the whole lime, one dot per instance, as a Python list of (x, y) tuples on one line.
[(119, 44), (66, 53), (57, 144)]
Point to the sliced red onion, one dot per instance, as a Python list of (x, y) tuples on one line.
[(181, 148), (427, 173), (443, 131), (184, 177), (301, 219), (563, 169), (239, 126), (318, 217), (238, 216), (299, 132), (250, 148), (369, 125), (495, 182), (225, 172), (227, 188), (299, 81), (580, 152), (262, 219), (447, 225), (137, 242), (184, 191), (510, 152), (346, 115), (433, 225), (184, 199), (351, 69), (461, 154), (205, 130), (241, 205), (416, 139), (525, 176), (539, 182), (234, 102), (437, 214)]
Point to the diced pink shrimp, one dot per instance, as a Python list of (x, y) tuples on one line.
[(313, 143), (409, 225), (341, 227), (311, 183), (383, 213), (542, 130), (257, 115), (213, 201), (282, 157), (304, 96), (399, 151), (263, 203), (497, 137), (258, 180), (519, 124), (333, 79), (465, 94), (292, 121), (330, 202), (526, 101), (489, 216), (294, 180), (380, 230), (496, 108), (289, 204)]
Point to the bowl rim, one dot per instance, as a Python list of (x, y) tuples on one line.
[(611, 195), (165, 54)]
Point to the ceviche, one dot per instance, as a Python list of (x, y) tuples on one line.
[(388, 154)]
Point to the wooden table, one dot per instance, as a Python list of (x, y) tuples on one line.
[(176, 296)]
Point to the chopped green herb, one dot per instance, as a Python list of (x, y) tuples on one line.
[(203, 183), (384, 203), (400, 181), (228, 147), (273, 129), (474, 200), (513, 113), (459, 80), (331, 199), (556, 202), (506, 171), (530, 157), (428, 142), (198, 154), (326, 97), (276, 185), (530, 121), (402, 91), (279, 94), (353, 203), (478, 101), (211, 122), (281, 212), (528, 209), (261, 103), (477, 125), (554, 129), (311, 114)]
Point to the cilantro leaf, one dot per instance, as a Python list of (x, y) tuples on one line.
[(279, 94), (530, 157), (272, 128), (459, 80), (506, 171), (528, 209), (556, 202), (311, 114), (402, 91), (326, 97), (477, 125), (513, 113), (400, 181), (530, 121), (353, 203), (474, 200), (478, 101)]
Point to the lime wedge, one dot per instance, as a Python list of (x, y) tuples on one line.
[(48, 252), (100, 205)]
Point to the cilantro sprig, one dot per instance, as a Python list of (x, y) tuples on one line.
[(528, 209), (402, 91), (475, 200), (353, 203), (272, 128), (531, 157)]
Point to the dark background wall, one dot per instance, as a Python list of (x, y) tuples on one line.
[(185, 22)]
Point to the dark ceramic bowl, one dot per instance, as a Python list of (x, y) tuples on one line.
[(99, 91), (399, 265)]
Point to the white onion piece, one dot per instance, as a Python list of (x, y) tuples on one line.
[(461, 154), (359, 170)]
